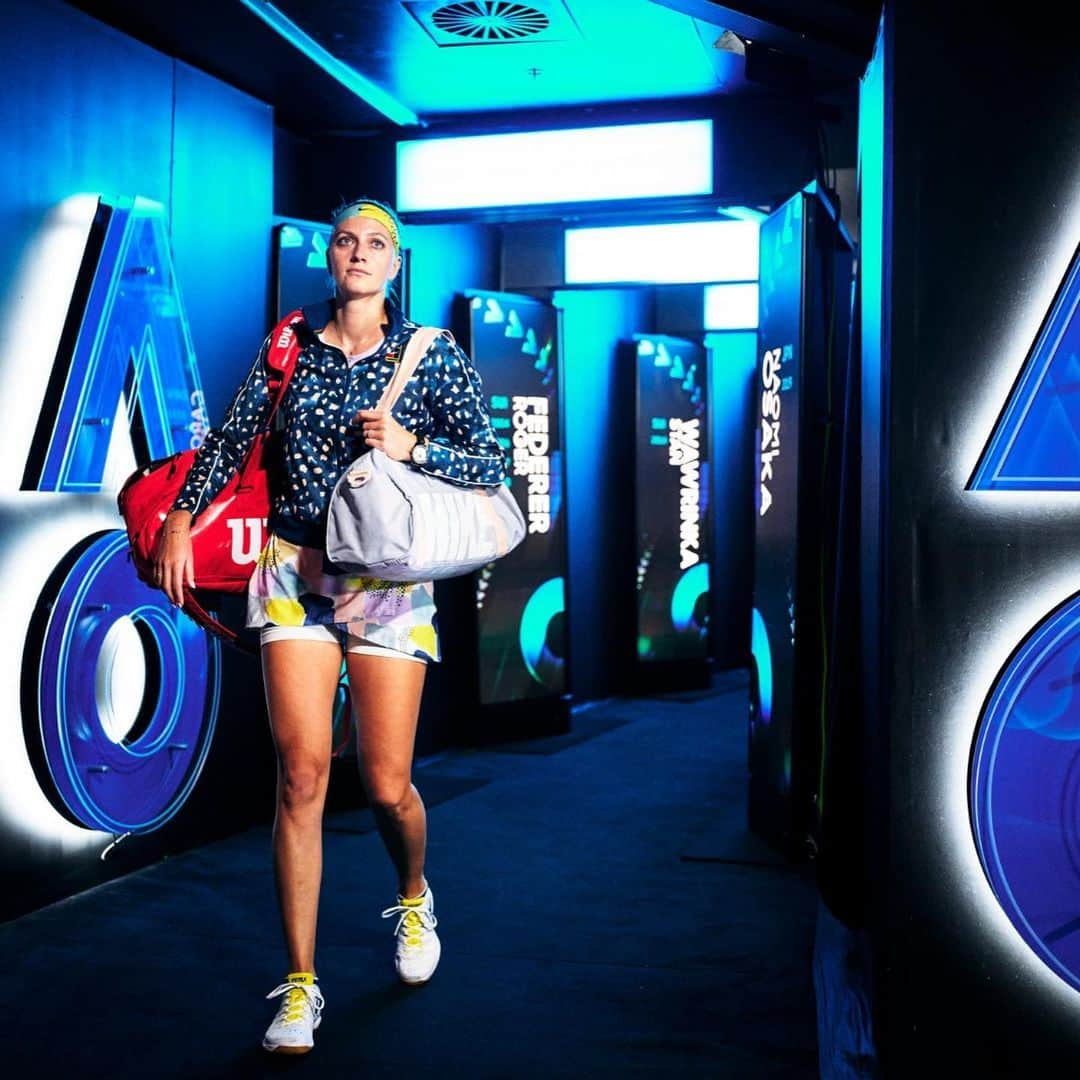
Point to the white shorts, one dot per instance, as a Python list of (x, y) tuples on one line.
[(350, 642)]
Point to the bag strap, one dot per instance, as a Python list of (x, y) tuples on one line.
[(422, 340), (281, 359), (200, 615)]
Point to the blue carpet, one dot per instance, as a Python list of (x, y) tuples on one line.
[(581, 936)]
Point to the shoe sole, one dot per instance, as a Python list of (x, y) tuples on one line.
[(426, 978), (286, 1049)]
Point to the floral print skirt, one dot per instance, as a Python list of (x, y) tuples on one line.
[(291, 587)]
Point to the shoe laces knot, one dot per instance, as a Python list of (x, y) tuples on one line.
[(299, 998), (412, 924)]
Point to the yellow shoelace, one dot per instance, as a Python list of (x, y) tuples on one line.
[(413, 921), (413, 930), (295, 1002), (298, 998)]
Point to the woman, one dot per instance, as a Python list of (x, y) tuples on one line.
[(309, 614)]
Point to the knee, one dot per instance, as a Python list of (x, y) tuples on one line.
[(389, 797), (303, 785)]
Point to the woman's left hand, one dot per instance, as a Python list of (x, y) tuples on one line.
[(382, 431)]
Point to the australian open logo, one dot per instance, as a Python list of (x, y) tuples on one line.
[(117, 689)]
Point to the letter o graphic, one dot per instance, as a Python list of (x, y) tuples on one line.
[(120, 693)]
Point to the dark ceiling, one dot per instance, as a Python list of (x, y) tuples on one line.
[(448, 60)]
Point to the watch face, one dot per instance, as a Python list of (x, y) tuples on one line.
[(419, 454)]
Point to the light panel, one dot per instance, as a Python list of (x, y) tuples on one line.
[(528, 168), (731, 306), (678, 253)]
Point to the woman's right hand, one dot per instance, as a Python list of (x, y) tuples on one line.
[(174, 564)]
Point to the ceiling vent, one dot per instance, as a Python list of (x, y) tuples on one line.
[(493, 22)]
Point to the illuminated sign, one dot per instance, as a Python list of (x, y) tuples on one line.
[(671, 471), (300, 273), (521, 598), (773, 386), (675, 253), (684, 454), (119, 688), (776, 498), (531, 457), (130, 374), (1035, 445), (573, 165), (731, 306), (1024, 787)]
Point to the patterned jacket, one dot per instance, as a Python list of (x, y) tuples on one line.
[(319, 439)]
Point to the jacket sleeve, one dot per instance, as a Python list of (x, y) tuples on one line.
[(225, 447), (464, 448)]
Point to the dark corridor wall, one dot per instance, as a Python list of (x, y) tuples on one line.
[(87, 110), (599, 404), (982, 159)]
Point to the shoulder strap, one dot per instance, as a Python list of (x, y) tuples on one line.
[(422, 340), (281, 359), (211, 625)]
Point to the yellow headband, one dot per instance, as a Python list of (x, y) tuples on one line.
[(376, 213)]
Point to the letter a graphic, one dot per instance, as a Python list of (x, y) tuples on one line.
[(1035, 445), (125, 359)]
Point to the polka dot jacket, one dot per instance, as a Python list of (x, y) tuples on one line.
[(319, 439)]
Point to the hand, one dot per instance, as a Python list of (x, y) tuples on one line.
[(383, 432), (174, 564)]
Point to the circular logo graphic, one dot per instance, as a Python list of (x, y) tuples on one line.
[(759, 648), (542, 632), (1025, 789), (690, 601), (122, 690)]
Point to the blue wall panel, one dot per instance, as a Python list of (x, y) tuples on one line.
[(732, 367), (84, 109), (599, 405), (222, 201), (87, 110)]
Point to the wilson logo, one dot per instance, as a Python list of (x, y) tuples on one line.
[(246, 539), (285, 338)]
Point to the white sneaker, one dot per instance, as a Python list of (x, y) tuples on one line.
[(418, 948), (298, 1015)]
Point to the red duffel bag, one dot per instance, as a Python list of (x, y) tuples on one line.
[(227, 532)]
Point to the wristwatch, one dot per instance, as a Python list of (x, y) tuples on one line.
[(419, 453)]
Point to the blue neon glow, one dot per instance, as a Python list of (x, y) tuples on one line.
[(134, 347), (115, 653), (547, 601), (744, 213), (1035, 445), (629, 161), (731, 306), (685, 251), (121, 786), (349, 77), (1025, 789), (759, 648), (691, 586)]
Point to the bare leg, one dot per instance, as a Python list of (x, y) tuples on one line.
[(300, 679), (386, 701)]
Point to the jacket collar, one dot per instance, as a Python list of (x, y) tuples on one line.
[(317, 315)]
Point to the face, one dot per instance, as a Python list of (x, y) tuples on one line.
[(361, 257)]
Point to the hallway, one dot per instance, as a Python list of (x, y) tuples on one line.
[(602, 908)]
